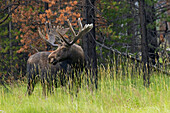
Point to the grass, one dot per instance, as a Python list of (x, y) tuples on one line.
[(115, 94)]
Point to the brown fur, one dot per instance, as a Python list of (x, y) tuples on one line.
[(74, 53), (38, 68)]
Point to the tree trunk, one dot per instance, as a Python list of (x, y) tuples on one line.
[(144, 42), (10, 39), (46, 8), (89, 45), (151, 34), (131, 27)]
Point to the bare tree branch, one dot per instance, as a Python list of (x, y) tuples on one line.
[(9, 6), (3, 20), (128, 55)]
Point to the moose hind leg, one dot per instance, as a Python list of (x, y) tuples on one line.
[(30, 86)]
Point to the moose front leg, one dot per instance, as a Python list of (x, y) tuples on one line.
[(30, 86), (48, 83), (31, 82), (74, 81), (44, 86)]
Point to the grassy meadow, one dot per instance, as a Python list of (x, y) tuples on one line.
[(116, 93)]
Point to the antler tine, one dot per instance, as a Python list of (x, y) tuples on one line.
[(61, 30), (51, 40), (50, 26), (61, 36), (51, 33), (80, 24), (46, 27), (49, 30), (72, 30), (82, 30), (55, 32)]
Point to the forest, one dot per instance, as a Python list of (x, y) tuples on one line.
[(84, 56)]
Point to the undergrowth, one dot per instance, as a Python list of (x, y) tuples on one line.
[(118, 92)]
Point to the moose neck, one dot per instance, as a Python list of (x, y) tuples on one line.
[(77, 55)]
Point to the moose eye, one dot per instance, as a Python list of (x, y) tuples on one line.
[(64, 49)]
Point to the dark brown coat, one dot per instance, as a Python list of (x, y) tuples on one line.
[(39, 69), (73, 53)]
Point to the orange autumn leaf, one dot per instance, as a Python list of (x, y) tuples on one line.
[(78, 41), (66, 36), (16, 37), (162, 38), (45, 28), (50, 51), (43, 20), (20, 50), (74, 24), (63, 10), (78, 15), (71, 8), (45, 0), (50, 5), (68, 8), (48, 15), (41, 16), (74, 14), (75, 2), (56, 21), (65, 3), (53, 3), (62, 22), (65, 18), (62, 15), (32, 27), (73, 19), (55, 13), (71, 2), (46, 36), (29, 54)]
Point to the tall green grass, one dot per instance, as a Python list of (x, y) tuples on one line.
[(118, 92)]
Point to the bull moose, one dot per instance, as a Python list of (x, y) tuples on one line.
[(47, 65)]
